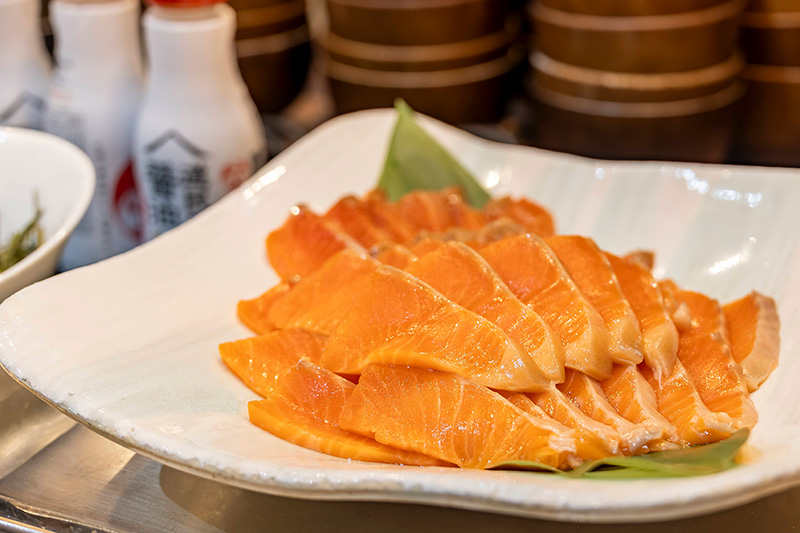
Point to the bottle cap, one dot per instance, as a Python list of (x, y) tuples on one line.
[(180, 4)]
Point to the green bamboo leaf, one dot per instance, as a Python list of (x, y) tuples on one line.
[(416, 161), (692, 461)]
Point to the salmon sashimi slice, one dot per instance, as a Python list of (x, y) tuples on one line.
[(449, 417), (680, 403), (535, 275), (316, 302), (677, 309), (304, 242), (304, 409), (644, 258), (705, 354), (254, 313), (631, 395), (495, 231), (462, 215), (386, 216), (391, 317), (425, 245), (426, 210), (463, 276), (592, 273), (393, 254), (533, 217), (427, 241), (659, 335), (353, 218), (753, 329), (587, 445), (258, 361), (561, 408), (718, 378), (588, 395)]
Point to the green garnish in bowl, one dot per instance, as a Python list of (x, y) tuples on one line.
[(23, 242)]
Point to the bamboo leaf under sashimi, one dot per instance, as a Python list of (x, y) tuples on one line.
[(416, 161), (698, 460)]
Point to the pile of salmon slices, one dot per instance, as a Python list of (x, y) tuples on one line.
[(425, 332)]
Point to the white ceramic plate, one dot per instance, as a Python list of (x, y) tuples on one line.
[(129, 346)]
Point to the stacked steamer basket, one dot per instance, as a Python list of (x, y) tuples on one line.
[(272, 44), (452, 59), (769, 132), (636, 80)]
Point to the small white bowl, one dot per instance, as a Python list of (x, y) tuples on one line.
[(32, 162)]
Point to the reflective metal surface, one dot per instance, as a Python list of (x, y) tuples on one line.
[(59, 476)]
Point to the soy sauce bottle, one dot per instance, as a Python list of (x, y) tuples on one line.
[(24, 64), (92, 102), (198, 134)]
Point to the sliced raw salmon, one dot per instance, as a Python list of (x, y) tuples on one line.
[(587, 394), (255, 313), (718, 378), (659, 335), (426, 210), (258, 361), (462, 215), (681, 404), (560, 407), (535, 275), (304, 242), (753, 329), (393, 254), (392, 317), (704, 352), (592, 273), (425, 245), (533, 217), (304, 409), (588, 446), (645, 258), (463, 276), (317, 302), (448, 417), (496, 230), (385, 215), (633, 398), (352, 216), (678, 311)]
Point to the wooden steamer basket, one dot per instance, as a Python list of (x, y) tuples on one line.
[(664, 43), (683, 116), (415, 22), (772, 38), (474, 93), (769, 132), (421, 57), (630, 8), (268, 19), (273, 49)]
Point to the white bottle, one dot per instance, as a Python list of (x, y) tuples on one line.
[(92, 102), (24, 64), (198, 134)]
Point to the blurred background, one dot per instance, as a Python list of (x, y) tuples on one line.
[(689, 80)]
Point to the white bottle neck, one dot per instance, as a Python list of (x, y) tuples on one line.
[(97, 36), (191, 49), (20, 30)]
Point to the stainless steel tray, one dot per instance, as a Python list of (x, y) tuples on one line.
[(59, 476)]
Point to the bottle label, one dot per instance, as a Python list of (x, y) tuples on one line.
[(112, 223), (179, 179), (127, 209), (176, 181), (24, 111)]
